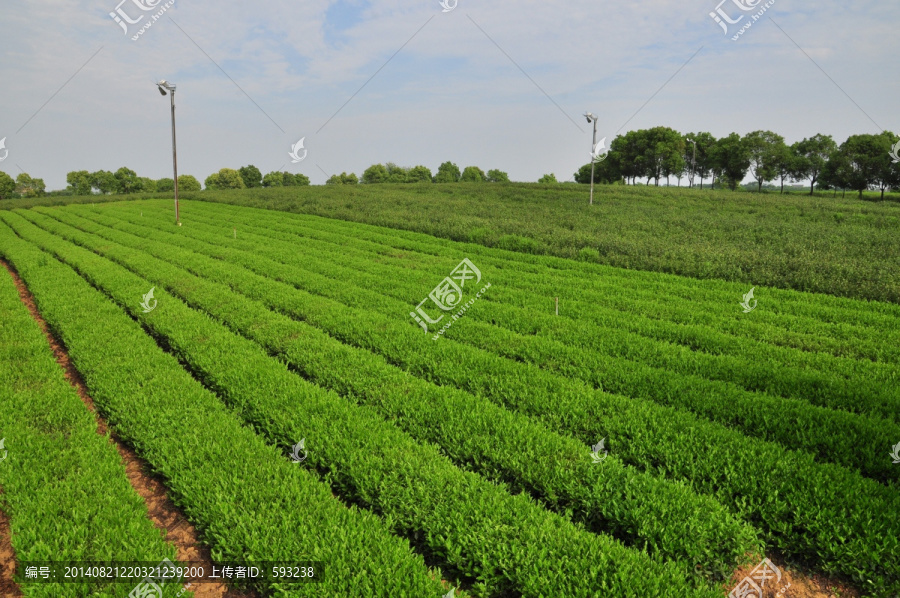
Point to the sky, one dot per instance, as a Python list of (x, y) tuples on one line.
[(496, 85)]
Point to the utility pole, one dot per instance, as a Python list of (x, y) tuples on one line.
[(163, 86), (591, 118), (693, 161)]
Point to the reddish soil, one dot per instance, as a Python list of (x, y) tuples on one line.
[(796, 584), (167, 517), (8, 588)]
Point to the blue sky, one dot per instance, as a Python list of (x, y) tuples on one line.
[(253, 78)]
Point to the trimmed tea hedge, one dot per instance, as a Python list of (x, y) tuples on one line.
[(65, 490), (508, 543), (247, 500)]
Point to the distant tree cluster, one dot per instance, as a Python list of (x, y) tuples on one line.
[(548, 179), (342, 179), (861, 162), (125, 181), (249, 177), (448, 172), (22, 186), (104, 182)]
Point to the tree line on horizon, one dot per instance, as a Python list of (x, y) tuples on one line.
[(448, 172), (861, 162), (125, 180)]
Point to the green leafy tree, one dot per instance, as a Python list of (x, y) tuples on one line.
[(702, 163), (448, 172), (273, 179), (868, 158), (251, 176), (583, 175), (295, 180), (226, 178), (785, 164), (27, 186), (7, 186), (887, 174), (128, 181), (418, 174), (663, 149), (497, 176), (705, 144), (472, 174), (396, 174), (835, 173), (551, 178), (165, 185), (812, 154), (342, 179), (147, 185), (605, 172), (731, 160), (374, 174), (673, 163), (627, 154), (186, 183), (104, 182), (79, 182), (763, 149)]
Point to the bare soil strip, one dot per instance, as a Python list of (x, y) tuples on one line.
[(797, 584), (160, 509), (7, 560)]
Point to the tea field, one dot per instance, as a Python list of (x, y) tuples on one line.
[(474, 421)]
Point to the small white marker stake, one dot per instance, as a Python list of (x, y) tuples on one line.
[(235, 232), (557, 306)]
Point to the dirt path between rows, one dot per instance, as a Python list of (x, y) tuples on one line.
[(8, 588), (160, 509), (793, 584)]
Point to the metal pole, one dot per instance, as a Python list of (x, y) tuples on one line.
[(593, 160), (693, 160), (693, 163), (175, 159)]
